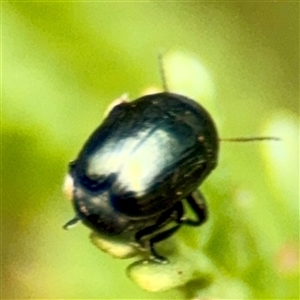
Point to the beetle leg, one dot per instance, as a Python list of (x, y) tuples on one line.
[(150, 235), (175, 214), (154, 256), (196, 201)]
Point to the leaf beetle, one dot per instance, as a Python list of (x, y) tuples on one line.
[(147, 156), (133, 174)]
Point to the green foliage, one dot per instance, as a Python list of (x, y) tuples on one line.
[(64, 62)]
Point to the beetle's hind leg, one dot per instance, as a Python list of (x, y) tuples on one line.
[(197, 202)]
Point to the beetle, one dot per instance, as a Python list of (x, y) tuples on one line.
[(146, 158)]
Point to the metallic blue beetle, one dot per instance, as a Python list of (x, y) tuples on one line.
[(148, 156)]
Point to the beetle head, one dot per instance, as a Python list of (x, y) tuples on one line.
[(91, 201)]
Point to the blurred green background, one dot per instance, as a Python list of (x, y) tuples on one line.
[(64, 62)]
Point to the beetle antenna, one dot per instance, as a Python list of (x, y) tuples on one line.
[(71, 223), (251, 139), (162, 71)]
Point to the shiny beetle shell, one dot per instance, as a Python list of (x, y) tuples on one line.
[(147, 156)]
